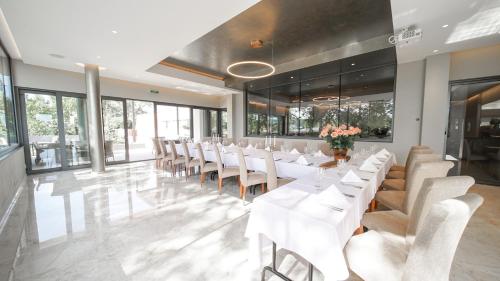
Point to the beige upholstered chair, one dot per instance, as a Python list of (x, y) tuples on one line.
[(402, 168), (429, 258), (402, 174), (223, 172), (157, 152), (398, 225), (166, 156), (404, 200), (300, 146), (190, 163), (175, 159), (400, 184), (205, 167), (272, 179), (248, 179)]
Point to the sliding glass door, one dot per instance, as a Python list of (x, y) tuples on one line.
[(140, 129), (114, 120), (55, 130)]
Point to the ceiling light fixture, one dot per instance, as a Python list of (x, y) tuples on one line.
[(435, 51), (445, 26), (270, 66), (353, 64), (98, 57), (80, 64), (114, 31)]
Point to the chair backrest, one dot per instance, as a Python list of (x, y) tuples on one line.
[(412, 154), (431, 255), (421, 158), (325, 148), (186, 152), (272, 177), (299, 145), (220, 167), (433, 191), (201, 156), (243, 167), (156, 146), (173, 150), (422, 171)]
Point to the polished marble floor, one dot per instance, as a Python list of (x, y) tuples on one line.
[(137, 223)]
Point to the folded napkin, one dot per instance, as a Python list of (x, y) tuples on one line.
[(382, 154), (333, 197), (352, 179), (368, 166), (319, 154), (249, 146), (268, 148), (294, 151), (373, 160), (231, 145), (206, 143), (302, 160)]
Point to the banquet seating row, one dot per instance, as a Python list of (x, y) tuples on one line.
[(417, 238)]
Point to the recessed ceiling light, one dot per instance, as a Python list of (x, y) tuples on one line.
[(98, 57), (114, 31), (291, 77), (445, 26), (353, 64), (80, 64), (57, 56), (435, 51), (102, 68)]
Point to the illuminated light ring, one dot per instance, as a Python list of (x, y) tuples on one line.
[(271, 67)]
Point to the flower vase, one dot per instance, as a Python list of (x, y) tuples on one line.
[(340, 153)]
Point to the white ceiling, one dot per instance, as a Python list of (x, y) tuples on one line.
[(471, 24), (147, 32)]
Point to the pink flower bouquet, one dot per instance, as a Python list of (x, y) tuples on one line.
[(341, 137)]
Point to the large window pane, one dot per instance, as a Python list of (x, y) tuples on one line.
[(75, 131), (114, 130), (285, 110), (167, 121), (214, 121), (141, 129), (184, 122), (8, 134), (367, 101), (257, 112), (200, 124), (224, 124)]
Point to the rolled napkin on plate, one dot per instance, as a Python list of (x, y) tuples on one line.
[(302, 160), (382, 154), (294, 151), (249, 146), (373, 160), (368, 166), (319, 154), (352, 179)]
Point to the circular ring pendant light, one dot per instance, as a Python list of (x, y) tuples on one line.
[(250, 62)]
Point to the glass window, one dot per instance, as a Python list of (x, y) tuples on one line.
[(167, 121), (141, 129), (75, 131), (285, 108), (184, 122), (224, 124), (8, 134), (213, 122), (114, 130), (257, 112)]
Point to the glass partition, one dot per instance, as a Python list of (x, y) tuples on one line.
[(76, 131), (113, 112), (140, 129), (184, 114), (257, 111)]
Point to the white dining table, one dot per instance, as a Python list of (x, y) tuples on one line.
[(313, 216), (286, 165)]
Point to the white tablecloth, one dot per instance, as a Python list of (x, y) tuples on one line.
[(286, 167), (295, 218)]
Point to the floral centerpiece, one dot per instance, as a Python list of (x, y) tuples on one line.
[(340, 139)]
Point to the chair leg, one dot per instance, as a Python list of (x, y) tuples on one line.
[(262, 187), (220, 185), (244, 193), (373, 205), (359, 230), (202, 177), (241, 190)]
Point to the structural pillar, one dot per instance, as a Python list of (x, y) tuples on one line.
[(95, 118)]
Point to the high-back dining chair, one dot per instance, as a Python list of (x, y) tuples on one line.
[(373, 257), (404, 200), (175, 159), (299, 145), (205, 167), (248, 179), (190, 163), (411, 155), (157, 151), (273, 181), (412, 149), (396, 225), (400, 184), (223, 172)]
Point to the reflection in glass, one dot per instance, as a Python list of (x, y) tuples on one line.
[(224, 124), (200, 124), (167, 121), (184, 122), (43, 131), (114, 130), (257, 112), (76, 131), (285, 110), (213, 122), (141, 129)]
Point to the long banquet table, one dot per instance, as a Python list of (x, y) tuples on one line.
[(296, 217)]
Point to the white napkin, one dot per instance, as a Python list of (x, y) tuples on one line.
[(294, 151), (382, 154), (373, 160), (368, 166), (302, 160), (231, 145), (268, 148), (249, 146), (206, 143), (352, 179), (319, 154), (333, 197)]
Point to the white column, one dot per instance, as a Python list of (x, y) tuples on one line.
[(95, 117)]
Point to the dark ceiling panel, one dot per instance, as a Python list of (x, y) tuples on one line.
[(295, 29)]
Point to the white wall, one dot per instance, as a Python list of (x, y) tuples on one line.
[(31, 76), (481, 62)]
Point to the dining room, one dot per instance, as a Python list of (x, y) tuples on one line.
[(249, 140)]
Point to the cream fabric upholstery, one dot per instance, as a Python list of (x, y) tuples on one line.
[(190, 163), (413, 148), (417, 157), (398, 225), (396, 175), (409, 163), (248, 179), (224, 172), (374, 257), (272, 179), (174, 157), (205, 167), (299, 145), (405, 200)]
